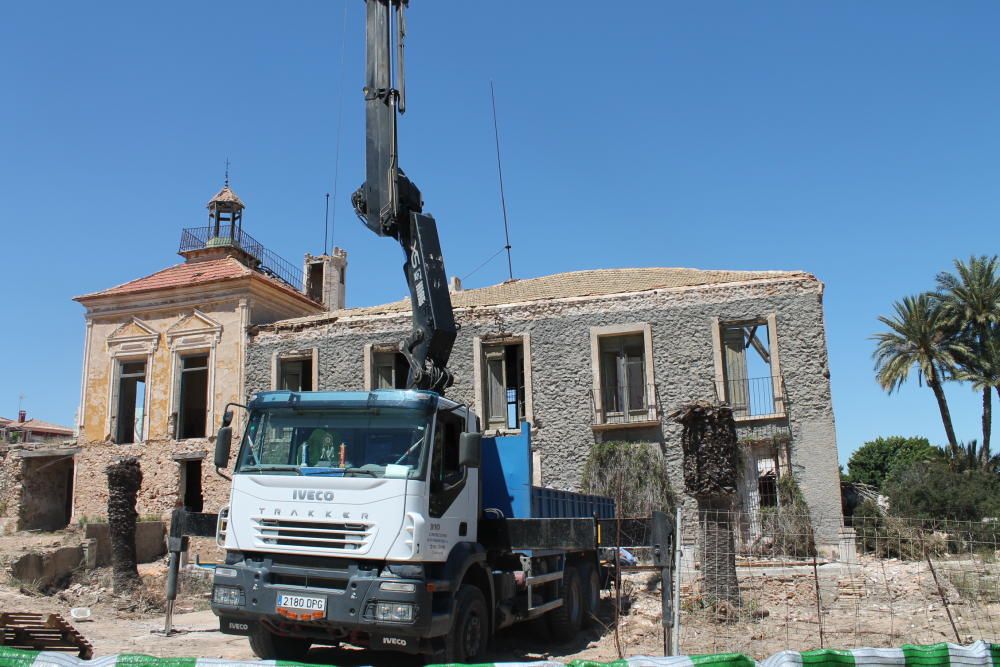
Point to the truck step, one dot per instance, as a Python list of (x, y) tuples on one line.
[(544, 578)]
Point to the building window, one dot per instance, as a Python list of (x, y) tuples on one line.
[(295, 374), (193, 398), (767, 489), (623, 379), (131, 415), (389, 370), (503, 385), (750, 382)]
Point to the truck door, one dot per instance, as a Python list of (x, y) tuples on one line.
[(447, 477)]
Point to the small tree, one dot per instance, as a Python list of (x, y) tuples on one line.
[(875, 460)]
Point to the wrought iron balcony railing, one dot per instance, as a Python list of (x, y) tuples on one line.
[(272, 264), (624, 405), (753, 397)]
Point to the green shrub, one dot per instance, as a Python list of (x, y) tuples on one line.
[(875, 461), (788, 526), (634, 474)]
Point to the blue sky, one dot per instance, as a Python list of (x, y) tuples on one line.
[(855, 140)]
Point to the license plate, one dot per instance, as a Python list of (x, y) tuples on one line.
[(294, 602)]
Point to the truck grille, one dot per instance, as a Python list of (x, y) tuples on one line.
[(316, 535)]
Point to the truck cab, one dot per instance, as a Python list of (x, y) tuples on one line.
[(345, 510)]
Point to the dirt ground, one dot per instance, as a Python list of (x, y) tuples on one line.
[(875, 603)]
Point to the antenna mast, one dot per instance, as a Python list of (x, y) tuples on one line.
[(503, 199)]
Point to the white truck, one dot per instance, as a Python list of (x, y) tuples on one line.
[(383, 519)]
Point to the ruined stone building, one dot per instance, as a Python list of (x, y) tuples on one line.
[(583, 357), (607, 355), (164, 354), (36, 474)]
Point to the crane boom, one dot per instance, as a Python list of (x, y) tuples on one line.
[(391, 205)]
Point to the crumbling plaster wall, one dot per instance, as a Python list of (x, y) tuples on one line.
[(160, 376), (681, 325), (161, 474)]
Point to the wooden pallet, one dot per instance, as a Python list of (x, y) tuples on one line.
[(42, 632)]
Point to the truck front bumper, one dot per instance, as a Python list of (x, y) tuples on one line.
[(352, 592)]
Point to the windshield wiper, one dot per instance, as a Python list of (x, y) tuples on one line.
[(269, 467), (363, 471)]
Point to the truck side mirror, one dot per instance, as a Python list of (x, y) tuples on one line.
[(223, 443), (470, 449), (227, 417)]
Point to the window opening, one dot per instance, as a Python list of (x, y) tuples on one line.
[(192, 498), (315, 282), (623, 378), (749, 382), (390, 370), (193, 396), (131, 402), (295, 374), (767, 489), (503, 394)]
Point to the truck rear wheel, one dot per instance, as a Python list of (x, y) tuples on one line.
[(268, 646), (564, 621), (470, 628), (591, 583)]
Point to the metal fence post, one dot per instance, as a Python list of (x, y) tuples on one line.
[(678, 555)]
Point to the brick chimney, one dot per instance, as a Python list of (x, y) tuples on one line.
[(22, 416), (324, 278)]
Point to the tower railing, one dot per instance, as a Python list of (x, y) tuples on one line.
[(269, 263)]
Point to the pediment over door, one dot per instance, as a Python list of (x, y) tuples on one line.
[(134, 336)]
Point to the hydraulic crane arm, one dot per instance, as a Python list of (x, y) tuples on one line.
[(391, 205)]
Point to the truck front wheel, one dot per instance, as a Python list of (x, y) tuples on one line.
[(564, 621), (268, 646), (470, 629)]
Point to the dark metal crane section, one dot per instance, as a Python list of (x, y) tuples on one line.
[(391, 205)]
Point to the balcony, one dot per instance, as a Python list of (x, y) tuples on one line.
[(753, 398), (229, 236), (624, 407)]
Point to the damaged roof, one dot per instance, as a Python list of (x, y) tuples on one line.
[(575, 284), (194, 273)]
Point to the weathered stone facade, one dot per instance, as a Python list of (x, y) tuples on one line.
[(681, 325)]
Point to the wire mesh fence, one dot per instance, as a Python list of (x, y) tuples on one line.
[(764, 583)]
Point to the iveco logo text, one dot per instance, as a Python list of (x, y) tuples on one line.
[(394, 641), (310, 494), (238, 626)]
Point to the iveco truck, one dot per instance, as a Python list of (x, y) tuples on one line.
[(384, 519)]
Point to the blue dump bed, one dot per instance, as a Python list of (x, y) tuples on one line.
[(507, 491)]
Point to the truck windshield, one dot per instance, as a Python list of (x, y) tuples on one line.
[(382, 442)]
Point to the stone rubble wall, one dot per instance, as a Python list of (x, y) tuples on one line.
[(159, 494), (683, 361)]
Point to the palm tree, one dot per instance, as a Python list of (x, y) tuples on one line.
[(918, 338), (970, 302)]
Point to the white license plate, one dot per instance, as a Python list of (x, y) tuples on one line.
[(300, 602)]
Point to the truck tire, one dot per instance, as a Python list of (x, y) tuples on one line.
[(590, 583), (564, 621), (469, 638), (268, 646)]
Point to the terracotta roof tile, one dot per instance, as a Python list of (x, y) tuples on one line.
[(225, 195), (180, 275), (595, 282), (38, 426)]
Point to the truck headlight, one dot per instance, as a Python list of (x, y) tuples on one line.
[(226, 572), (228, 595), (396, 612)]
